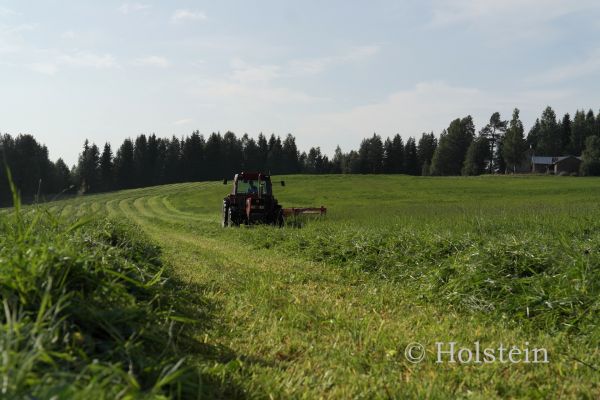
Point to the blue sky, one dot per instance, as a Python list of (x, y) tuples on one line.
[(330, 72)]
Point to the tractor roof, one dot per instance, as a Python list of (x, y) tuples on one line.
[(252, 175)]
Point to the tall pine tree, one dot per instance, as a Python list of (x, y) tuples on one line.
[(514, 144), (494, 133)]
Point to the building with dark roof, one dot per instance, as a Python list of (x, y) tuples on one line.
[(555, 165)]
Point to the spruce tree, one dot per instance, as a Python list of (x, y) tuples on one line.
[(232, 154), (195, 162), (172, 169), (275, 155), (290, 156), (62, 177), (140, 161), (337, 164), (550, 141), (107, 169), (425, 149), (263, 151), (578, 133), (388, 157), (371, 155), (397, 161), (161, 160), (251, 155), (152, 165), (591, 157), (91, 170), (124, 165), (565, 134), (411, 158)]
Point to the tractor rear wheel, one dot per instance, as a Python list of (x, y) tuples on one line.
[(232, 221)]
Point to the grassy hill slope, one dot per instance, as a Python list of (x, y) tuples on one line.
[(327, 310)]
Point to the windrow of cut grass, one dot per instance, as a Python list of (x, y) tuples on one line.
[(89, 311), (546, 281)]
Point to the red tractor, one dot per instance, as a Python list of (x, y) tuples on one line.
[(251, 201)]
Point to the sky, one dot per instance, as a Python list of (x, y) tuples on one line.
[(329, 72)]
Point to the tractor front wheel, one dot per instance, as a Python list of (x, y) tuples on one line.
[(225, 221)]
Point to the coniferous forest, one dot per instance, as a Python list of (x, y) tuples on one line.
[(500, 146)]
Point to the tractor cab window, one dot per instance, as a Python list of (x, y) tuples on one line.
[(247, 186), (265, 188)]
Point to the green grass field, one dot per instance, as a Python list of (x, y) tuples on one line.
[(327, 310)]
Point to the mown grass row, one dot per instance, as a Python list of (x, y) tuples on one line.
[(89, 311), (542, 280)]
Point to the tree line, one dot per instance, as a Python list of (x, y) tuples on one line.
[(499, 147), (32, 171)]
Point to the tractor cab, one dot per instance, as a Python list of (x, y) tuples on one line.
[(251, 201), (253, 184)]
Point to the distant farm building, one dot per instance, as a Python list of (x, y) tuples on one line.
[(555, 165)]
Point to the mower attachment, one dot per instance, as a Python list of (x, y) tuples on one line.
[(294, 211)]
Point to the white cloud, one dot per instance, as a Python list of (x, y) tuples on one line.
[(183, 121), (88, 59), (7, 12), (129, 8), (508, 20), (588, 66), (43, 68), (481, 11), (315, 66), (253, 95), (153, 61), (12, 38), (360, 53), (68, 35), (16, 29), (50, 62), (243, 72), (182, 15), (261, 86), (246, 73)]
